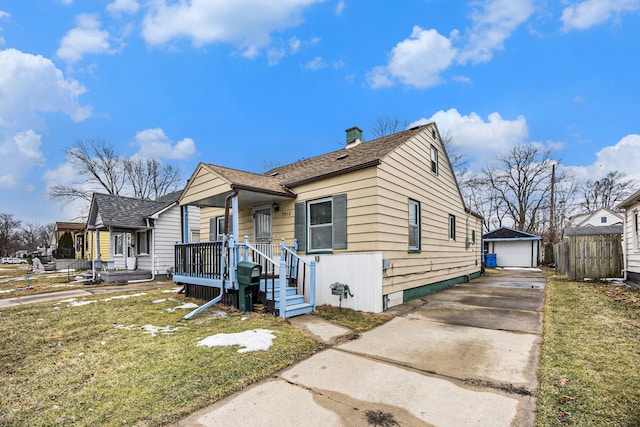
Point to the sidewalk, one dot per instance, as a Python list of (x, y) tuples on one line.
[(463, 356)]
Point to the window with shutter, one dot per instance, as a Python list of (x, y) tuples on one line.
[(321, 225)]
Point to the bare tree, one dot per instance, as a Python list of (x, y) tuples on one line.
[(9, 234), (606, 192), (101, 169), (522, 181), (386, 125), (483, 199), (149, 178)]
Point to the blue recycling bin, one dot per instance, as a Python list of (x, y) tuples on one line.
[(490, 261)]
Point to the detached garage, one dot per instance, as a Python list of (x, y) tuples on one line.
[(513, 248)]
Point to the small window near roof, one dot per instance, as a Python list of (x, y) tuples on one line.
[(603, 220), (452, 227), (434, 160)]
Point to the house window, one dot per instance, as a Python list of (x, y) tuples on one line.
[(473, 236), (434, 160), (452, 227), (79, 242), (321, 225), (216, 228), (118, 244), (603, 220), (414, 225), (637, 229), (142, 242)]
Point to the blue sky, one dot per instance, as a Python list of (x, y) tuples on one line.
[(252, 83)]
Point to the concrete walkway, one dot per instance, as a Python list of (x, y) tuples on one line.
[(463, 356)]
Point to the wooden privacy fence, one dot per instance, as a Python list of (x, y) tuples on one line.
[(594, 256)]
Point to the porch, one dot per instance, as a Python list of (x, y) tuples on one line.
[(124, 276), (208, 270)]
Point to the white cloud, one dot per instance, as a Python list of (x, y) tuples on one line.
[(31, 84), (4, 14), (624, 156), (340, 7), (477, 139), (154, 144), (316, 63), (588, 13), (118, 7), (274, 55), (246, 24), (492, 25), (416, 61), (294, 44), (28, 144), (86, 37)]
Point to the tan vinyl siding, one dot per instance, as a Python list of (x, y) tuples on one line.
[(360, 188), (630, 240), (406, 174), (204, 184)]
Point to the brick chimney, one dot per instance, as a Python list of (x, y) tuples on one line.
[(354, 136)]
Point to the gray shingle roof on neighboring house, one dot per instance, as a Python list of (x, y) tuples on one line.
[(126, 212), (593, 230)]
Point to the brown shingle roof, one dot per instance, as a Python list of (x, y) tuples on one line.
[(341, 161), (243, 180), (61, 225), (279, 180)]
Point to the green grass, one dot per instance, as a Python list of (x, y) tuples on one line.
[(13, 281), (589, 366), (357, 321), (94, 365)]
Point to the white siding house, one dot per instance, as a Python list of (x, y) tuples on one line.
[(631, 237)]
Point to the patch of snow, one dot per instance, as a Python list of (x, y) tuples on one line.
[(519, 268), (4, 292), (244, 318), (169, 291), (124, 326), (159, 301), (187, 306), (155, 330), (125, 296), (253, 340), (80, 303)]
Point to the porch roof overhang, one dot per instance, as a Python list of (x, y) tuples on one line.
[(247, 196)]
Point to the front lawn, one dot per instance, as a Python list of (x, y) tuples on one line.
[(130, 361), (589, 366), (17, 280)]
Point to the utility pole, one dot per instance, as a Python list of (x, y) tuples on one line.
[(553, 210)]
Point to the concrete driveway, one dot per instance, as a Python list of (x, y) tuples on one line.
[(463, 356)]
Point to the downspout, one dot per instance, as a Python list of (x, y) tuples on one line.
[(227, 202), (625, 258), (153, 250)]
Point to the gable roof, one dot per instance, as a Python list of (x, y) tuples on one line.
[(126, 212), (342, 161), (581, 219), (70, 226), (506, 233), (634, 198), (593, 230)]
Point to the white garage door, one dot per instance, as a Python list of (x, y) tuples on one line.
[(513, 254)]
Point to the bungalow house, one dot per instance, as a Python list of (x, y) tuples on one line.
[(369, 226), (598, 218), (76, 232), (513, 248), (631, 237), (140, 236)]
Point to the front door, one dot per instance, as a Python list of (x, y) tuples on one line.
[(262, 226)]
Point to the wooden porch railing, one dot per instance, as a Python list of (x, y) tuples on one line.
[(199, 259)]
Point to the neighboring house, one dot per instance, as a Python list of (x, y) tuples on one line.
[(77, 232), (631, 237), (384, 217), (140, 234), (600, 217), (513, 248)]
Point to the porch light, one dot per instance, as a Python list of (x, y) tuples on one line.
[(275, 207)]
